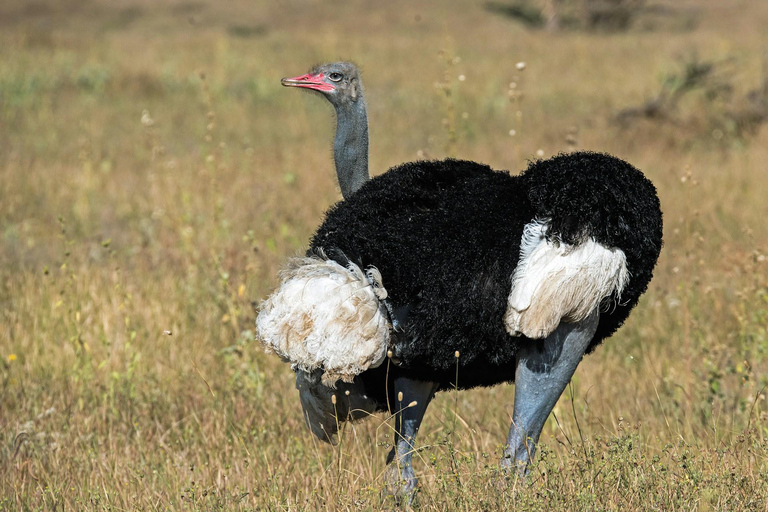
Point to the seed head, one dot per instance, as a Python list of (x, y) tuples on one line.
[(146, 119)]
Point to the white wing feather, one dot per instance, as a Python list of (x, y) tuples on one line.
[(556, 282), (326, 315)]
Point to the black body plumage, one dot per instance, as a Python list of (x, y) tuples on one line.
[(446, 237)]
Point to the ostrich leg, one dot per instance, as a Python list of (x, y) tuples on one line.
[(544, 368), (400, 479)]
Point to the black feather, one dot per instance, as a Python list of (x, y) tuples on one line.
[(446, 236)]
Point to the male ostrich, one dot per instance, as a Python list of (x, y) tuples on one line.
[(444, 264)]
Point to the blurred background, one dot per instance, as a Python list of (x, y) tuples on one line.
[(154, 177)]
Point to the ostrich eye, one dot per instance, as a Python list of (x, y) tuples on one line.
[(336, 77)]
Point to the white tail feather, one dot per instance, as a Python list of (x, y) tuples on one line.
[(326, 316), (557, 281)]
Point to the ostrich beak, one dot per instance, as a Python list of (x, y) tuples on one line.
[(309, 81)]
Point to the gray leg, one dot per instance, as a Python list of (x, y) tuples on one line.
[(544, 368), (400, 479)]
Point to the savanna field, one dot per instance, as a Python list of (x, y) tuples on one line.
[(154, 177)]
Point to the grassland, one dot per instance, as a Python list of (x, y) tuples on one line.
[(154, 176)]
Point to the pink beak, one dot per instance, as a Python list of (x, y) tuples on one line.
[(308, 81)]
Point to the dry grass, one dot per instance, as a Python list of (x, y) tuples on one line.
[(133, 247)]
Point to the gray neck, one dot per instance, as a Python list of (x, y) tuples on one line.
[(350, 147)]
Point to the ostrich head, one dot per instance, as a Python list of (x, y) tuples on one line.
[(339, 82)]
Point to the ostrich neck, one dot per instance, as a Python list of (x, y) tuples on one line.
[(350, 147)]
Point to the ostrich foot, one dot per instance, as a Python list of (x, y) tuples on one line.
[(513, 467), (400, 483)]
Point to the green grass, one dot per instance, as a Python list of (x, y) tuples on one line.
[(134, 247)]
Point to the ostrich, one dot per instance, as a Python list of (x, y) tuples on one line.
[(442, 268)]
